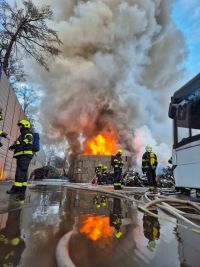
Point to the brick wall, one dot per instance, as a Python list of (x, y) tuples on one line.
[(12, 112)]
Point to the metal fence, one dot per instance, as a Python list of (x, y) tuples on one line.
[(12, 112)]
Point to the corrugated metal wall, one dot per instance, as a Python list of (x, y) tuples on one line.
[(12, 112)]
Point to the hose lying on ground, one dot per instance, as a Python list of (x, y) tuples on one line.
[(170, 209), (173, 200)]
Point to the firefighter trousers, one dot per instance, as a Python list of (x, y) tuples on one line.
[(151, 177), (21, 174), (117, 176)]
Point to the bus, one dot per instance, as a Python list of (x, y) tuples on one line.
[(184, 110)]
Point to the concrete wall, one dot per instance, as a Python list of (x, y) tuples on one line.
[(12, 112), (82, 170)]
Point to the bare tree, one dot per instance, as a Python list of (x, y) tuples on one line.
[(24, 31), (27, 97)]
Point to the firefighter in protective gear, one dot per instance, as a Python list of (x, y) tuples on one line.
[(116, 217), (96, 202), (23, 152), (151, 228), (12, 245), (149, 165), (1, 114), (98, 172), (103, 200), (117, 164), (3, 134), (104, 174), (100, 201)]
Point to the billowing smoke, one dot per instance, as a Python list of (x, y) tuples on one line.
[(120, 64)]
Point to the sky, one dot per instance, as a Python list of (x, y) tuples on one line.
[(186, 14)]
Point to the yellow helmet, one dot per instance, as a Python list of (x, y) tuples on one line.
[(148, 148), (118, 234), (100, 165), (119, 151), (26, 124), (105, 167)]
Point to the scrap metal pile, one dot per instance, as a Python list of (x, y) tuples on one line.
[(164, 180)]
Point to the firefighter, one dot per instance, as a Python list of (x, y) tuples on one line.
[(98, 171), (96, 202), (116, 217), (104, 174), (1, 114), (23, 152), (100, 201), (12, 245), (117, 164), (149, 165), (151, 228), (103, 200), (3, 134)]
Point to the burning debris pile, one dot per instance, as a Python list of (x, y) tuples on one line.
[(102, 144), (119, 62)]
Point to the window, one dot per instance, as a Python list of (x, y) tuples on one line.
[(195, 132), (183, 134), (195, 117)]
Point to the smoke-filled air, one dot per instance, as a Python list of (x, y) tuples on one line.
[(120, 63)]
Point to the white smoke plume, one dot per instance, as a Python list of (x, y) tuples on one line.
[(120, 64), (142, 138)]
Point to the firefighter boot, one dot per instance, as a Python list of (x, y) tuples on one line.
[(117, 186), (23, 189), (14, 190)]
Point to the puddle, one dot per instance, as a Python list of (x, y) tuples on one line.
[(106, 232)]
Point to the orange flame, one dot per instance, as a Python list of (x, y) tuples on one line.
[(96, 227), (104, 143)]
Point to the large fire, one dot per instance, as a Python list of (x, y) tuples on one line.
[(96, 227), (105, 143)]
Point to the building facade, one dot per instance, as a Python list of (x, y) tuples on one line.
[(12, 112)]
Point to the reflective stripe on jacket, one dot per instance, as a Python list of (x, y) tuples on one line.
[(24, 144), (117, 163)]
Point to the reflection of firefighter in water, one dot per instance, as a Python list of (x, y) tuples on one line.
[(11, 243), (100, 201), (116, 217), (151, 227)]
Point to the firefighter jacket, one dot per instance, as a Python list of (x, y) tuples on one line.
[(149, 161), (98, 170), (3, 134), (104, 174), (117, 163), (24, 144)]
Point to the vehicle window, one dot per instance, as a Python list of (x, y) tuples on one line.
[(183, 133)]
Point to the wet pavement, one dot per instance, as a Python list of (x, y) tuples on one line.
[(104, 231)]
